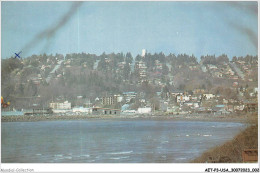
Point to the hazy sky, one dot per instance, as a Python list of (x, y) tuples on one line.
[(197, 28)]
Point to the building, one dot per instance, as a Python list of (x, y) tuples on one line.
[(220, 110), (141, 70), (56, 105), (129, 95), (144, 110), (119, 98), (239, 107), (182, 98), (208, 96), (82, 110), (192, 104), (129, 112), (174, 94), (110, 100), (105, 111), (251, 107), (37, 110), (198, 91), (143, 52), (158, 65), (163, 106)]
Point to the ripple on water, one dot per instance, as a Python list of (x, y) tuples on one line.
[(120, 153), (118, 158)]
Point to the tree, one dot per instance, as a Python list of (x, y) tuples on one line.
[(234, 59), (129, 58), (138, 58), (181, 87), (222, 58), (8, 66), (21, 89), (126, 71), (155, 103), (31, 89), (165, 92), (35, 63), (209, 59), (165, 69)]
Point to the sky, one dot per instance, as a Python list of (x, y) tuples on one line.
[(197, 28)]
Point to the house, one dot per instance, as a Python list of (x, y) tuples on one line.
[(211, 66), (173, 109), (82, 110), (146, 110), (129, 95), (192, 104), (198, 91), (203, 68), (57, 105), (174, 94), (195, 98), (12, 113), (163, 106), (141, 70), (220, 109), (105, 111), (218, 74), (230, 108), (158, 65), (208, 96), (182, 98), (251, 107), (239, 108), (129, 112), (119, 98)]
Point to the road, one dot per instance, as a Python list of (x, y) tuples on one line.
[(96, 64), (48, 79), (238, 71)]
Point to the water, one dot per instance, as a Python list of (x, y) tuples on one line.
[(111, 141)]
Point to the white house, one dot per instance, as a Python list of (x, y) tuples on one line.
[(58, 105), (208, 96), (82, 110), (129, 95), (144, 110), (192, 104), (183, 98)]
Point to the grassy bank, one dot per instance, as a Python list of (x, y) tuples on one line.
[(231, 152)]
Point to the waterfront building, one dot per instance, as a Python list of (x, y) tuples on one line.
[(60, 105), (146, 110), (105, 111), (82, 110)]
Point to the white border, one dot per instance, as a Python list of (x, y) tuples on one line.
[(182, 167), (163, 167)]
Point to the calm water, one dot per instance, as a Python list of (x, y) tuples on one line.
[(109, 141)]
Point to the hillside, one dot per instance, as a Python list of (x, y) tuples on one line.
[(39, 79)]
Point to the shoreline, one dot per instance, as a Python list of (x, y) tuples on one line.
[(188, 117), (231, 151)]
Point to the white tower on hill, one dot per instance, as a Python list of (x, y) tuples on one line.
[(143, 52)]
